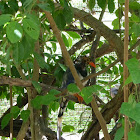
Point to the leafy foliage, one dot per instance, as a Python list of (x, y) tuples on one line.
[(73, 88), (6, 119), (134, 68), (23, 25)]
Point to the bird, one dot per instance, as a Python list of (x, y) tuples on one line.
[(114, 90), (68, 78)]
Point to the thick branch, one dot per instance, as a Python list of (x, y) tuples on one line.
[(98, 26), (108, 112)]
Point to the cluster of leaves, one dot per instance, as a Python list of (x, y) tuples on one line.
[(131, 108), (19, 32), (134, 18), (14, 113)]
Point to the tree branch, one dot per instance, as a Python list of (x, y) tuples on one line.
[(98, 26)]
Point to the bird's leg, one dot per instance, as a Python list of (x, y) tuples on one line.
[(80, 98)]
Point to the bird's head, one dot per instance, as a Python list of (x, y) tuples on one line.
[(86, 61)]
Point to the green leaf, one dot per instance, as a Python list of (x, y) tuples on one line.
[(28, 45), (14, 31), (137, 128), (26, 3), (134, 5), (54, 106), (134, 69), (31, 27), (87, 93), (37, 86), (131, 110), (59, 19), (135, 18), (41, 61), (54, 46), (121, 1), (102, 3), (49, 6), (111, 6), (65, 40), (54, 92), (47, 99), (128, 80), (18, 53), (64, 68), (25, 114), (15, 111), (6, 119), (119, 134), (68, 12), (68, 128), (132, 136), (119, 12), (4, 18), (70, 105), (136, 29), (115, 23), (74, 35), (36, 102), (91, 4), (73, 88)]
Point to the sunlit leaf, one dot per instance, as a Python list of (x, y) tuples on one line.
[(65, 40), (68, 128), (14, 31), (74, 35), (64, 68)]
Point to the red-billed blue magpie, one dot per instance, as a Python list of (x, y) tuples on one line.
[(80, 66)]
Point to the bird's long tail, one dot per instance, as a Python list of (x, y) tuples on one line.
[(63, 105)]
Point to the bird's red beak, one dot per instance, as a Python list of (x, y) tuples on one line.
[(92, 64)]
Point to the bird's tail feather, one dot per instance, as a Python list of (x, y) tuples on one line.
[(63, 105)]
